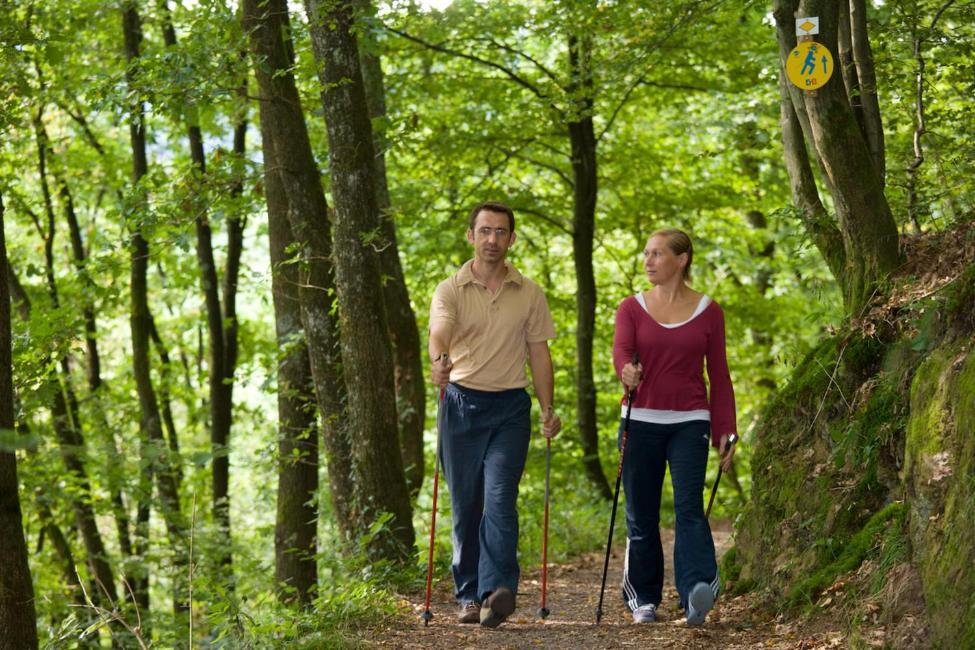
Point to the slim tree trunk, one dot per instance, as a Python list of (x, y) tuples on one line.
[(273, 56), (220, 398), (583, 140), (64, 409), (366, 352), (847, 64), (17, 615), (873, 127), (403, 332), (156, 462), (815, 220), (295, 540)]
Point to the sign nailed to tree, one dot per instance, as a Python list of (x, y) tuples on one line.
[(807, 26), (810, 65)]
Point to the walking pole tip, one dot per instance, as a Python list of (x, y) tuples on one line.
[(427, 616)]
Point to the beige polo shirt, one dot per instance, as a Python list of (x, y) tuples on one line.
[(489, 333)]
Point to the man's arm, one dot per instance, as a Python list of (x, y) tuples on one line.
[(543, 377), (438, 347)]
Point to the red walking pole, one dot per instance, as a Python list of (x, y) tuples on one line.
[(542, 610), (427, 614)]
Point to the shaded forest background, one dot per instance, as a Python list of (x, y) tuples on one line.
[(219, 269)]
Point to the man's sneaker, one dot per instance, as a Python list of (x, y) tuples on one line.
[(497, 607), (469, 612), (645, 614), (699, 603)]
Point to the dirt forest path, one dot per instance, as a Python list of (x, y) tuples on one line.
[(573, 593)]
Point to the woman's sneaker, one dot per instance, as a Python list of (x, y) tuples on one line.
[(699, 603), (645, 614)]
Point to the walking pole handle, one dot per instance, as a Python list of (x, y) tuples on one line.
[(732, 439)]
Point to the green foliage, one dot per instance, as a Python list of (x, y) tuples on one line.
[(687, 136)]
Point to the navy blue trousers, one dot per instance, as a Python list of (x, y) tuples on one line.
[(484, 440), (650, 448)]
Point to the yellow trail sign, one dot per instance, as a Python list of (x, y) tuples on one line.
[(810, 65)]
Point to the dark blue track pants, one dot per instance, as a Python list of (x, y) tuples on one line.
[(650, 448), (483, 445)]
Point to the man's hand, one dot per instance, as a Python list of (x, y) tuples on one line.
[(440, 370), (727, 450), (551, 423), (631, 376)]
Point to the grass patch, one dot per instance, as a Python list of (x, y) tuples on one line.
[(850, 557)]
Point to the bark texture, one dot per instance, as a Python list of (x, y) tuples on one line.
[(295, 540), (367, 360), (403, 333), (270, 41)]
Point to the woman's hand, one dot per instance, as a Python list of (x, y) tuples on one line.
[(727, 450), (631, 376)]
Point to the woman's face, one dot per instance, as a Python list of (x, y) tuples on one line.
[(660, 262)]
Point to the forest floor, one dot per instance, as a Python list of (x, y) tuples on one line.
[(573, 593)]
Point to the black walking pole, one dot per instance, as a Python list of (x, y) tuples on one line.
[(542, 610), (616, 494), (732, 439), (427, 614)]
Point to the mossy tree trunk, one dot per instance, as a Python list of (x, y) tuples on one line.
[(367, 359), (866, 227), (295, 538)]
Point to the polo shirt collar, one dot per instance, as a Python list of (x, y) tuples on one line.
[(466, 276)]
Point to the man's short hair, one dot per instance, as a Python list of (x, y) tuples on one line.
[(492, 206)]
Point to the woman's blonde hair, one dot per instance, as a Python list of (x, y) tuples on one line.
[(678, 242)]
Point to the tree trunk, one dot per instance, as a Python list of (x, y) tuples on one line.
[(155, 460), (848, 65), (366, 352), (403, 333), (220, 390), (64, 409), (815, 220), (869, 234), (17, 615), (273, 57), (583, 140), (873, 127), (295, 540)]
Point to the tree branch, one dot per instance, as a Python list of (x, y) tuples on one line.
[(507, 48), (642, 78), (521, 81)]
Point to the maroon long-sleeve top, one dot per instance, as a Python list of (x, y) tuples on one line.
[(673, 363)]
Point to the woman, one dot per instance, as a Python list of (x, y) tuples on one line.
[(673, 330)]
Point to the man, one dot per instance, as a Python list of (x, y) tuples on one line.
[(484, 320)]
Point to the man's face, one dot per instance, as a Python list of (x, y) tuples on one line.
[(491, 236)]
